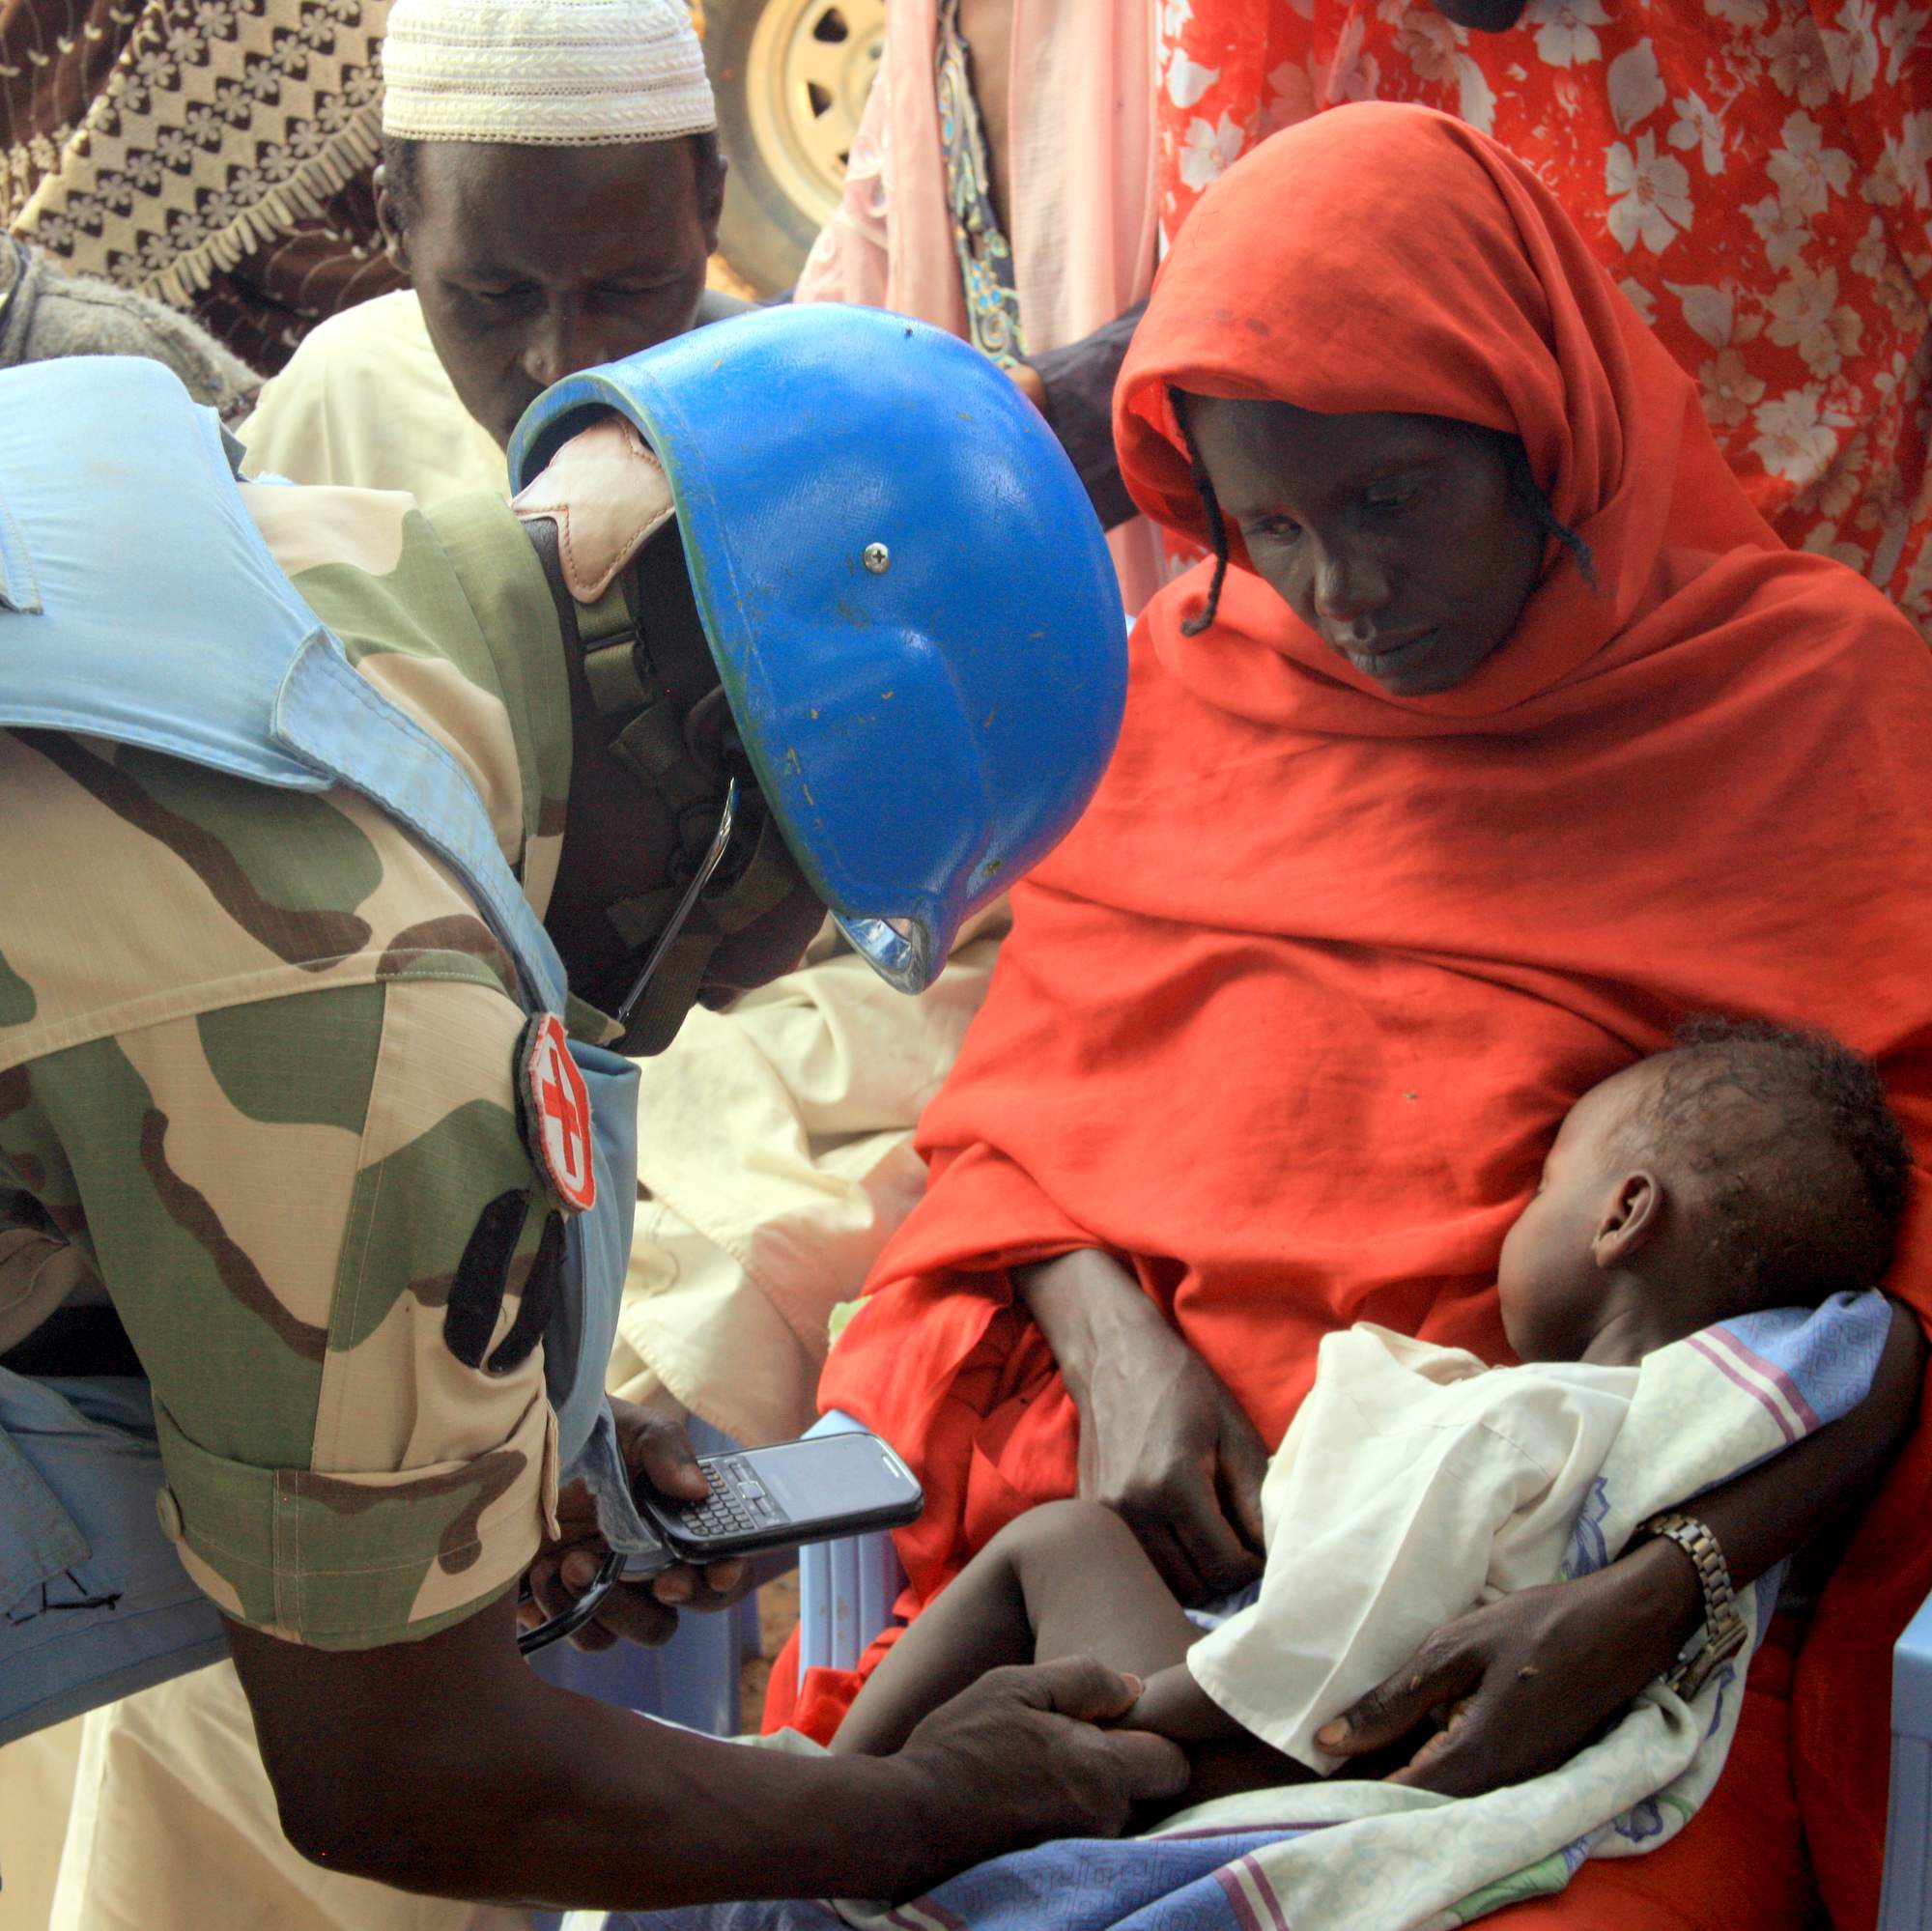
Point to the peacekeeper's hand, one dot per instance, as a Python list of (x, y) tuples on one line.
[(656, 1448), (1162, 1441), (1518, 1686), (1018, 1758)]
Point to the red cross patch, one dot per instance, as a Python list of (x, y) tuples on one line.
[(556, 1105)]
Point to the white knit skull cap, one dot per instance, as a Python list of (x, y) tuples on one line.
[(567, 74)]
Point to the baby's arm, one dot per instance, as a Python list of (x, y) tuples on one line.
[(1173, 1705), (1223, 1757)]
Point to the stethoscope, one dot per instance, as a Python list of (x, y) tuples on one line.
[(587, 1606)]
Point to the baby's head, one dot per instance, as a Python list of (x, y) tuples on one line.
[(1748, 1167)]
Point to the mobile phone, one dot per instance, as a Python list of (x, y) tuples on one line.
[(794, 1492)]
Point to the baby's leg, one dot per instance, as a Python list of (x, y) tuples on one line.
[(1090, 1590), (1066, 1578)]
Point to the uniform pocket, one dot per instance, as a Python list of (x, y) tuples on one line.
[(353, 1559)]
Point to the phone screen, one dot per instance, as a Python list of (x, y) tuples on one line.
[(831, 1475)]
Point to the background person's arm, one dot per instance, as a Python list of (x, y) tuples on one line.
[(446, 1766), (1073, 388), (1531, 1678), (1162, 1441)]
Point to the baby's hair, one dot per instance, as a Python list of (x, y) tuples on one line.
[(1795, 1156), (1522, 484)]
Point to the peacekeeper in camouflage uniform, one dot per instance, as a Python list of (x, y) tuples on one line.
[(259, 1078), (260, 1109)]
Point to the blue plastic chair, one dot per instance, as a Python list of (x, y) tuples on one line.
[(846, 1591), (1906, 1903)]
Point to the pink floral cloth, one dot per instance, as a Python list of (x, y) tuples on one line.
[(1080, 192), (1752, 172)]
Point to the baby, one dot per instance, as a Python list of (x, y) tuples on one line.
[(1746, 1170)]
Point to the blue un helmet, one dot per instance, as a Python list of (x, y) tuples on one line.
[(906, 593)]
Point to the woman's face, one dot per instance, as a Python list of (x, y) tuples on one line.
[(1397, 539)]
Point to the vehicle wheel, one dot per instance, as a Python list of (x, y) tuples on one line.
[(791, 79)]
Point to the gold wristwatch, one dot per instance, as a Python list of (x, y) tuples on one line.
[(1724, 1633)]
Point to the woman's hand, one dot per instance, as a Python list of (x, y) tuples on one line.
[(656, 1448), (1167, 1448), (1528, 1681), (1162, 1441)]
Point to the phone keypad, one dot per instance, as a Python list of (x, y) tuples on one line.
[(733, 1508)]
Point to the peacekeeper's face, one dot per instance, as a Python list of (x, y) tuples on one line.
[(532, 262), (621, 837)]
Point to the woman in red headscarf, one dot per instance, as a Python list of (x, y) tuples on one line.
[(1504, 736)]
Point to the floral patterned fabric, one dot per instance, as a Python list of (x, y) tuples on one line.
[(1752, 172), (986, 258)]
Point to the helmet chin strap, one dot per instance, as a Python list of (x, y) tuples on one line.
[(732, 867), (591, 514)]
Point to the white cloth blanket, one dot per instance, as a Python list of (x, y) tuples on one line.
[(1374, 1538)]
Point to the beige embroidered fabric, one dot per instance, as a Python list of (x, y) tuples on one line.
[(168, 145)]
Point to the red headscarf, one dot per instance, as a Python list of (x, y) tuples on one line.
[(1290, 1018)]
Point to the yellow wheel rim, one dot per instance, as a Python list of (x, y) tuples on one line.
[(809, 68)]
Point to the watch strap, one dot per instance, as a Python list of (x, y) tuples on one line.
[(1725, 1632)]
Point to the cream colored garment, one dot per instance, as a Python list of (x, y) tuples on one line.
[(789, 1164), (365, 403), (1083, 204), (1412, 1484), (36, 1775), (174, 1825)]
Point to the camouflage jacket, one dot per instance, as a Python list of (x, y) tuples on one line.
[(256, 1080)]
